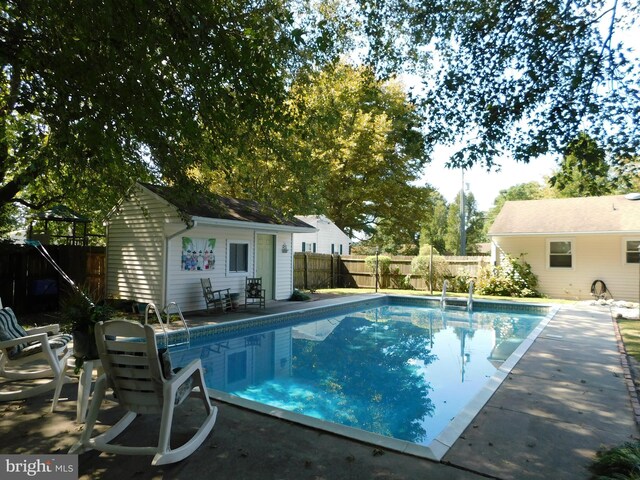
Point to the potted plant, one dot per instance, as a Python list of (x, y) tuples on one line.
[(79, 311)]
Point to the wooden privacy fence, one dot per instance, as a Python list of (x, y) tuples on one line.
[(316, 270), (28, 283)]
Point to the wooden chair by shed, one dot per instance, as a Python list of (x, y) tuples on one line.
[(32, 354), (215, 298), (254, 294), (143, 384)]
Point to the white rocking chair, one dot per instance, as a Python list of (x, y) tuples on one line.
[(130, 359), (32, 354)]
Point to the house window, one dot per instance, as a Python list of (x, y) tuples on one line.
[(333, 249), (632, 252), (340, 249), (239, 257), (314, 247), (560, 254), (304, 247)]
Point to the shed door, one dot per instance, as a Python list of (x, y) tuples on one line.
[(265, 263)]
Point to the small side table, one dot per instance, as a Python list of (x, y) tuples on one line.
[(84, 387)]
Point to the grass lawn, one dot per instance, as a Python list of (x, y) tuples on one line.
[(630, 331)]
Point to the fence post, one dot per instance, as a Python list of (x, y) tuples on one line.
[(305, 270)]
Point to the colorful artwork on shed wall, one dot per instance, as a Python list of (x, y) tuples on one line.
[(197, 253)]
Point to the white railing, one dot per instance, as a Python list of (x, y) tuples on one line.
[(443, 298)]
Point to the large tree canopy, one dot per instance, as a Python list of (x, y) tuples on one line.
[(96, 94), (349, 146), (514, 76)]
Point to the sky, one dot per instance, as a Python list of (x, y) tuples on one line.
[(484, 185)]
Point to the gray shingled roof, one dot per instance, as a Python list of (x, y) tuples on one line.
[(226, 208), (568, 216)]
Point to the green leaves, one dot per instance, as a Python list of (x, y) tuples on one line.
[(94, 96)]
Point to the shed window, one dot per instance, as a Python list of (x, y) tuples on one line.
[(632, 251), (560, 254), (238, 257)]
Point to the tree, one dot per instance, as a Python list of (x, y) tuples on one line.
[(434, 226), (511, 76), (96, 95), (522, 191), (474, 223), (584, 171), (350, 150), (399, 233)]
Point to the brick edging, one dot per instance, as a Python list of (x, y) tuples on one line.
[(627, 372)]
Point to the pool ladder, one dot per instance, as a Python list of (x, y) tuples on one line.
[(443, 298), (168, 311)]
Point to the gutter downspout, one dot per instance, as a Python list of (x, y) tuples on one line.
[(165, 285)]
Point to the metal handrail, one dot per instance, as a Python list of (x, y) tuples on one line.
[(167, 311), (184, 322), (443, 298)]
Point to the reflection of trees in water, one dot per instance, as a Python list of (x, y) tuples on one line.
[(462, 332), (507, 326), (377, 387)]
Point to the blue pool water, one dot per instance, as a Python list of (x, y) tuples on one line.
[(398, 371)]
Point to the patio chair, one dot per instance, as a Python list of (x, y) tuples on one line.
[(254, 294), (215, 298), (33, 354), (143, 383)]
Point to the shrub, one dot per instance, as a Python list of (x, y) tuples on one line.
[(298, 296), (384, 264), (460, 283), (513, 278), (622, 462), (420, 266), (402, 282)]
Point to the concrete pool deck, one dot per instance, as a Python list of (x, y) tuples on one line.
[(564, 400)]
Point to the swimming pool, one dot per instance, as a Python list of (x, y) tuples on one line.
[(393, 371)]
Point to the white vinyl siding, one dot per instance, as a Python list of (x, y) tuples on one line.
[(135, 248), (144, 255), (184, 286), (596, 257), (284, 268), (328, 239)]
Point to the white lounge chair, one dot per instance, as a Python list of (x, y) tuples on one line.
[(129, 355), (29, 355)]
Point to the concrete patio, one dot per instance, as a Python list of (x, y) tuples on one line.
[(566, 399)]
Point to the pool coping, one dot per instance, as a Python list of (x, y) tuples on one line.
[(440, 445)]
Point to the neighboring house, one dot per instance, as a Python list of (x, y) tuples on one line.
[(327, 239), (160, 244), (571, 242)]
